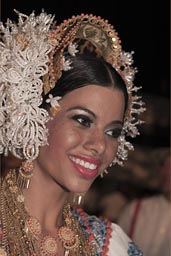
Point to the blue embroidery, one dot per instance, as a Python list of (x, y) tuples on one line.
[(98, 229), (133, 250)]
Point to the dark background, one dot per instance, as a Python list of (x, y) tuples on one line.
[(143, 27)]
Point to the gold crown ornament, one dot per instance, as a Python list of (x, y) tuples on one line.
[(31, 62)]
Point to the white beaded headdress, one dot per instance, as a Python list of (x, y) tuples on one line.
[(31, 62)]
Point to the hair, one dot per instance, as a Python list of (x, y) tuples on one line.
[(87, 69)]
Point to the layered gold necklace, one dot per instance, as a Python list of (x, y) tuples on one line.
[(22, 233)]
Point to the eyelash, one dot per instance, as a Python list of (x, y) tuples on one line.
[(83, 120), (86, 122), (115, 133)]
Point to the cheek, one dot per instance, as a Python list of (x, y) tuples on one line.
[(112, 150), (115, 149), (62, 139)]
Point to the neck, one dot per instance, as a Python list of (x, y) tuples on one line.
[(45, 200), (42, 241)]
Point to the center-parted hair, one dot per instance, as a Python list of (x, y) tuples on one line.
[(87, 70)]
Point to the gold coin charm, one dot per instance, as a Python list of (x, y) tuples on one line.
[(33, 225), (67, 236), (49, 245)]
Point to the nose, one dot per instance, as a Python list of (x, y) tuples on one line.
[(96, 142)]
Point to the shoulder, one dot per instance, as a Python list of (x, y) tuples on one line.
[(121, 244), (108, 238)]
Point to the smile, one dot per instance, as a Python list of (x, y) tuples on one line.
[(83, 163)]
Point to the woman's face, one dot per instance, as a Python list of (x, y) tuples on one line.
[(82, 137)]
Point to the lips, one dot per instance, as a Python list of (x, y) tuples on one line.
[(88, 168)]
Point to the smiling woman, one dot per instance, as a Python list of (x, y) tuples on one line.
[(82, 135), (67, 105)]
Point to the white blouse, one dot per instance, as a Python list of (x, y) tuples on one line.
[(120, 244)]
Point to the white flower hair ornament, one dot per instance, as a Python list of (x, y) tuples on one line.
[(72, 50), (54, 103), (32, 59), (24, 51)]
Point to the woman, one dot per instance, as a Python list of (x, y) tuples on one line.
[(67, 105)]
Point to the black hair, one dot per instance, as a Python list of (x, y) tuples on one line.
[(88, 69)]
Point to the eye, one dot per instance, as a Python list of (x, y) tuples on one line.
[(83, 120), (114, 133)]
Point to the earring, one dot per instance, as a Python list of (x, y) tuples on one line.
[(104, 172), (25, 174), (78, 198)]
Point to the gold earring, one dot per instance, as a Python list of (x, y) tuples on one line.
[(25, 174), (78, 198)]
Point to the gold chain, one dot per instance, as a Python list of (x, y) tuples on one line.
[(16, 240)]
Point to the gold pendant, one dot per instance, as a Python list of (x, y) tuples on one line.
[(49, 245), (69, 239), (33, 225), (25, 174)]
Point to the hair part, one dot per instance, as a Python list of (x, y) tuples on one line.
[(87, 69)]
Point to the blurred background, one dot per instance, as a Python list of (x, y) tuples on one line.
[(145, 29)]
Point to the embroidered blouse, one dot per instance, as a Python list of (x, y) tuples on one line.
[(108, 238)]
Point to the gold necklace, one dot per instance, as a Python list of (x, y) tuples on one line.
[(22, 232)]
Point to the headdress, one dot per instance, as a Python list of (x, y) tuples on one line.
[(31, 62)]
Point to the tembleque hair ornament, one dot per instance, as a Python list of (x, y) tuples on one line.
[(32, 59)]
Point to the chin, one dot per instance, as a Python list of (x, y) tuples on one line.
[(80, 187)]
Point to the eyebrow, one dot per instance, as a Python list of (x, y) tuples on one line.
[(84, 109), (92, 113)]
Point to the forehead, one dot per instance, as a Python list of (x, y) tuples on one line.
[(97, 98)]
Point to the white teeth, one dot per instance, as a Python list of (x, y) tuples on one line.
[(87, 165), (77, 160), (84, 163), (92, 166)]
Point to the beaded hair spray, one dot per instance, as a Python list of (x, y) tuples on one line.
[(31, 62)]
